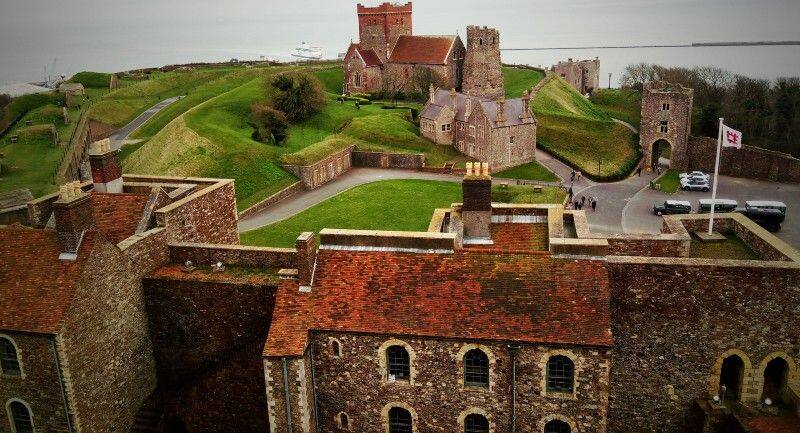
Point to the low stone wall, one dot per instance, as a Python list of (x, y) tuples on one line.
[(644, 245), (342, 238), (323, 171), (750, 162), (411, 161), (279, 196), (234, 255)]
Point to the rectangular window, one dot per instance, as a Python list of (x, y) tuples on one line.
[(480, 132), (663, 127), (665, 106), (471, 131), (511, 139)]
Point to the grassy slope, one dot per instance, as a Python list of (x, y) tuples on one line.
[(572, 128), (30, 162), (383, 205), (622, 104), (98, 80), (517, 80), (531, 171)]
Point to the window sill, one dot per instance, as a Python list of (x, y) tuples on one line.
[(396, 382), (475, 388), (561, 395), (12, 376)]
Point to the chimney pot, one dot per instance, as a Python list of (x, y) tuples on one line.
[(305, 259), (106, 171), (73, 215)]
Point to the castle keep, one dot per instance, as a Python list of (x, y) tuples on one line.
[(389, 56), (583, 75)]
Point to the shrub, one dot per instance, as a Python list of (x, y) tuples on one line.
[(299, 95), (421, 81), (270, 125)]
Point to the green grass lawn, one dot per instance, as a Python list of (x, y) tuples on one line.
[(622, 104), (731, 248), (517, 80), (669, 181), (530, 171), (332, 78), (384, 205), (576, 131), (31, 162), (92, 79)]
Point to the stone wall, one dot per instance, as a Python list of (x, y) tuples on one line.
[(279, 196), (324, 170), (400, 75), (208, 215), (750, 162), (356, 383), (290, 377), (410, 161), (38, 386), (380, 26), (670, 103), (583, 75), (235, 255), (503, 154), (674, 320), (482, 73), (645, 245)]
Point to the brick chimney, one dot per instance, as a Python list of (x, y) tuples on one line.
[(106, 172), (306, 258), (73, 215), (432, 93), (453, 99), (526, 105), (476, 209), (468, 107), (501, 111)]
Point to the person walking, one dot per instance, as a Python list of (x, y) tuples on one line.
[(658, 170), (572, 177), (639, 171), (569, 191), (594, 204), (579, 175), (583, 200)]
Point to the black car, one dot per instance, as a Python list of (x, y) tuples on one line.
[(672, 207), (770, 219)]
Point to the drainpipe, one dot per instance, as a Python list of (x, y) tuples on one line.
[(513, 351), (61, 384), (314, 389), (286, 390)]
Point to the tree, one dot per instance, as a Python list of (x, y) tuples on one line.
[(298, 95), (421, 80), (270, 125)]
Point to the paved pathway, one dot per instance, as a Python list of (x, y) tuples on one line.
[(120, 135), (627, 125)]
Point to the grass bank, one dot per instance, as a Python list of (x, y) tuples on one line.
[(530, 171), (517, 80), (622, 104), (384, 205)]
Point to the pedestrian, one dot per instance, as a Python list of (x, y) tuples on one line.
[(583, 200), (658, 170), (572, 177), (576, 205), (569, 191), (594, 204), (639, 171), (579, 175)]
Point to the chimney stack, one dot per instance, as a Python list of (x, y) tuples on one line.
[(432, 92), (468, 107), (501, 111), (453, 99), (526, 107), (106, 172), (476, 209), (73, 215), (306, 258)]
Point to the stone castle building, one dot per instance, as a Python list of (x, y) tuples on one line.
[(388, 55), (666, 122), (137, 305), (583, 75), (502, 132)]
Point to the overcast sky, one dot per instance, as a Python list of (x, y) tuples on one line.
[(113, 35)]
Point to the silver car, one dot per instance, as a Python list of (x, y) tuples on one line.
[(695, 185)]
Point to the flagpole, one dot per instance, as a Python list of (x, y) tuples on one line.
[(716, 173)]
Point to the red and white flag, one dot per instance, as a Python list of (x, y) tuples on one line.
[(731, 137)]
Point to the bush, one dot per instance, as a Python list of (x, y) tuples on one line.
[(270, 125), (96, 80), (299, 95)]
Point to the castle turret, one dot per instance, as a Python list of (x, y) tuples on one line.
[(482, 74)]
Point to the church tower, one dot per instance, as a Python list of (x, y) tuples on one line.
[(379, 27), (482, 74)]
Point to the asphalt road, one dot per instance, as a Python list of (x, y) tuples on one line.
[(120, 135)]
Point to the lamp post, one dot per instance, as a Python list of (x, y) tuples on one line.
[(599, 160), (609, 80)]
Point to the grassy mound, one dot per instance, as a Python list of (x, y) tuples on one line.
[(622, 104), (332, 78), (577, 132), (319, 150), (98, 80), (24, 104), (384, 205), (530, 171), (30, 162), (517, 80)]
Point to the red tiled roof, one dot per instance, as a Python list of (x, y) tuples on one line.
[(426, 50), (36, 287), (370, 58), (512, 237), (466, 295), (117, 215)]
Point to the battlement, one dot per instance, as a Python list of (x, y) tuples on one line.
[(482, 36), (384, 8), (663, 87)]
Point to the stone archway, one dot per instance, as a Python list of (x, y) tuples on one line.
[(776, 379), (661, 150), (731, 377)]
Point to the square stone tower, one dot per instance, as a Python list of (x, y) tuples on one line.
[(666, 120), (379, 27), (482, 74)]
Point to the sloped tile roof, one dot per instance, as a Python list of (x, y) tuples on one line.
[(425, 50), (513, 107), (465, 295), (117, 215), (370, 58), (36, 287)]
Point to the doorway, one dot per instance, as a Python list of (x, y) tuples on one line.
[(731, 378), (776, 375)]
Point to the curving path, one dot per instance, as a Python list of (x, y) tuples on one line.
[(119, 136)]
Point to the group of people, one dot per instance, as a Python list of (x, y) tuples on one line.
[(578, 204)]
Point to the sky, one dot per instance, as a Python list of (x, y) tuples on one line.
[(117, 35)]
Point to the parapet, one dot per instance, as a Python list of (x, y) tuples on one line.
[(380, 240)]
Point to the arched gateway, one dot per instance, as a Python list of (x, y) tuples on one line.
[(666, 123)]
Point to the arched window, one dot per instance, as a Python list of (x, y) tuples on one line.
[(476, 368), (476, 423), (336, 348), (556, 426), (560, 374), (9, 363), (398, 363), (344, 421), (400, 420), (480, 41), (20, 417)]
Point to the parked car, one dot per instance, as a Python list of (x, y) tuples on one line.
[(670, 207), (770, 219), (767, 204), (695, 185), (695, 175), (720, 205)]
